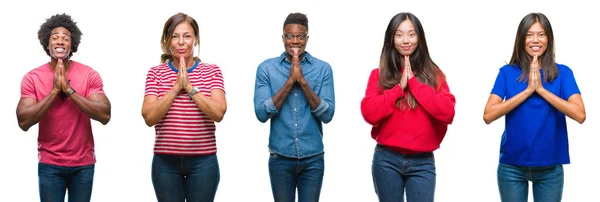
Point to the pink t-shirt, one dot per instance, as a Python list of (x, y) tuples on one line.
[(65, 132)]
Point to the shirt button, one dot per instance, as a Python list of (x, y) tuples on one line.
[(295, 109), (296, 139), (296, 124), (295, 94)]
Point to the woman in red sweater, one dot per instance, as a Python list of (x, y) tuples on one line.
[(410, 106)]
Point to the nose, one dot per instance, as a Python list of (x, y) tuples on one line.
[(535, 39), (405, 39), (181, 41)]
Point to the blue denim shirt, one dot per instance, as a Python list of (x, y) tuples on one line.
[(296, 130)]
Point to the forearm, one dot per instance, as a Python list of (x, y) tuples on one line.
[(212, 108), (438, 103), (496, 111), (96, 110), (281, 95), (572, 110), (30, 115), (153, 112), (311, 97)]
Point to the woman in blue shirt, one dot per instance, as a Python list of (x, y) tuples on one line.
[(535, 94)]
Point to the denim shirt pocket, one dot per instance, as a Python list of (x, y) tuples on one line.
[(315, 85)]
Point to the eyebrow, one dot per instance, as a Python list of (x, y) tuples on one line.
[(55, 33), (183, 33)]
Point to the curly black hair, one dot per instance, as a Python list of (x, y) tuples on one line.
[(59, 20)]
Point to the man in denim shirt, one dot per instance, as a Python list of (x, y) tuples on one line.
[(295, 90)]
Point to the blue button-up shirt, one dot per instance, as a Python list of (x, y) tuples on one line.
[(296, 130)]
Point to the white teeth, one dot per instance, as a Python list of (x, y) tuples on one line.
[(60, 50)]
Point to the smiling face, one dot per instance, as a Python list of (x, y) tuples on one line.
[(182, 41), (405, 38), (59, 45), (536, 41), (295, 38)]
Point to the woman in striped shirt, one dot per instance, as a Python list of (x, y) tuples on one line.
[(182, 100)]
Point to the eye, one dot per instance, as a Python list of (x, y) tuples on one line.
[(67, 39), (175, 36), (398, 35), (187, 36), (412, 34)]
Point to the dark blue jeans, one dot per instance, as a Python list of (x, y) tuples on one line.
[(185, 178), (513, 183), (54, 181), (287, 174), (394, 172)]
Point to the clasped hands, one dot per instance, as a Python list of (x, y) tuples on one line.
[(183, 81)]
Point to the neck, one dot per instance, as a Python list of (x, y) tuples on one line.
[(300, 57)]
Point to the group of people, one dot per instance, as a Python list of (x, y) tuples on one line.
[(407, 101)]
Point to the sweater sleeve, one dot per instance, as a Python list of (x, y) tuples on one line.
[(376, 106), (439, 104)]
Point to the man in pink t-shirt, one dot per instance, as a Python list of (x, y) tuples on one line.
[(62, 96)]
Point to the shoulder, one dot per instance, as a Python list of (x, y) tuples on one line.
[(159, 68), (208, 67), (563, 68), (82, 68), (45, 68), (375, 71), (270, 62), (511, 69), (41, 71), (317, 61)]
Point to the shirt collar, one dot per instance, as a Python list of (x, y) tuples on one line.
[(307, 57), (188, 70)]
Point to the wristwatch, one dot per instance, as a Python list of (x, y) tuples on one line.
[(71, 91), (192, 93)]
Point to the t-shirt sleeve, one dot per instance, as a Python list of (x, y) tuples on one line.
[(500, 85), (569, 85), (95, 85), (151, 84), (217, 79), (28, 87)]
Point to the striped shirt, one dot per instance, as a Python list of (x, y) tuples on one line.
[(184, 130)]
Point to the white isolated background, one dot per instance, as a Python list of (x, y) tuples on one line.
[(470, 41)]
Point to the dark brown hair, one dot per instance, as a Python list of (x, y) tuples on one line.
[(520, 57), (390, 61), (169, 28)]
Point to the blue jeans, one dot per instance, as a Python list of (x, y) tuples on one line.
[(54, 181), (288, 173), (513, 183), (394, 172), (185, 178)]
